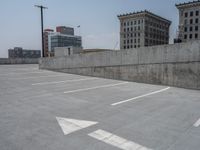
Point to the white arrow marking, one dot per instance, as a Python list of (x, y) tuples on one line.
[(197, 124), (71, 125), (116, 141)]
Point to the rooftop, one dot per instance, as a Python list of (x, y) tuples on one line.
[(188, 3), (143, 12)]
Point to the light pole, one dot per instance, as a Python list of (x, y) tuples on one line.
[(42, 27)]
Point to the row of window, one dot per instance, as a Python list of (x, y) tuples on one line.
[(196, 28), (191, 36), (131, 46), (131, 29), (191, 21), (132, 22), (191, 13), (131, 35), (131, 41)]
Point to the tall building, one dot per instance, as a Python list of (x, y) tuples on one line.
[(19, 52), (47, 32), (63, 37), (143, 29), (65, 30), (189, 21)]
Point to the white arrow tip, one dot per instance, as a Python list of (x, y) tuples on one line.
[(71, 125)]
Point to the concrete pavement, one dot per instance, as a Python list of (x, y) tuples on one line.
[(150, 117)]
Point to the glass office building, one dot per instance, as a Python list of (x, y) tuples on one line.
[(63, 40)]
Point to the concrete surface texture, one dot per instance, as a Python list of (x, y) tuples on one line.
[(174, 65), (4, 61), (44, 110)]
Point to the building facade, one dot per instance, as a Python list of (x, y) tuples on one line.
[(63, 40), (143, 29), (19, 52), (189, 21), (65, 30), (47, 32), (63, 37)]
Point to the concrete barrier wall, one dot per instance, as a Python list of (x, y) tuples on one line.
[(174, 65), (5, 61)]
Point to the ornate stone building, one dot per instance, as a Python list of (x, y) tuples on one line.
[(189, 21), (143, 29)]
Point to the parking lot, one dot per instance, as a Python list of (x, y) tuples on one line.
[(45, 110)]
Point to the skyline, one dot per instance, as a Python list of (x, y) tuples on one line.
[(20, 23)]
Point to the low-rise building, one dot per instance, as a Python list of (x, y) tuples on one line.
[(19, 52)]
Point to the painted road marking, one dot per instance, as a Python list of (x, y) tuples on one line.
[(145, 95), (96, 87), (14, 73), (47, 76), (197, 124), (71, 125), (116, 141), (66, 81)]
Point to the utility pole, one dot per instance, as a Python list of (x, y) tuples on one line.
[(42, 27)]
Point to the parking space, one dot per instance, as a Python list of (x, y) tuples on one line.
[(49, 110)]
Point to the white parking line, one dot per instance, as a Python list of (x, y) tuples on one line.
[(47, 76), (145, 95), (66, 81), (96, 87), (14, 73), (197, 124), (116, 141)]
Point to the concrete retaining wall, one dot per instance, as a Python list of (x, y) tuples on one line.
[(5, 61), (174, 65)]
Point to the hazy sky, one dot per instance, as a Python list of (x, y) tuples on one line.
[(20, 20)]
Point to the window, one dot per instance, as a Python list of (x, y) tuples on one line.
[(127, 47), (138, 34), (185, 21), (124, 23), (190, 36), (131, 22), (127, 23), (138, 21), (186, 14), (191, 28), (197, 13), (131, 28), (127, 41), (196, 36), (135, 22), (185, 36), (124, 29), (128, 29), (191, 21), (196, 28), (196, 20), (124, 41), (131, 46), (185, 29), (131, 34), (131, 40), (124, 35), (124, 47), (191, 13)]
